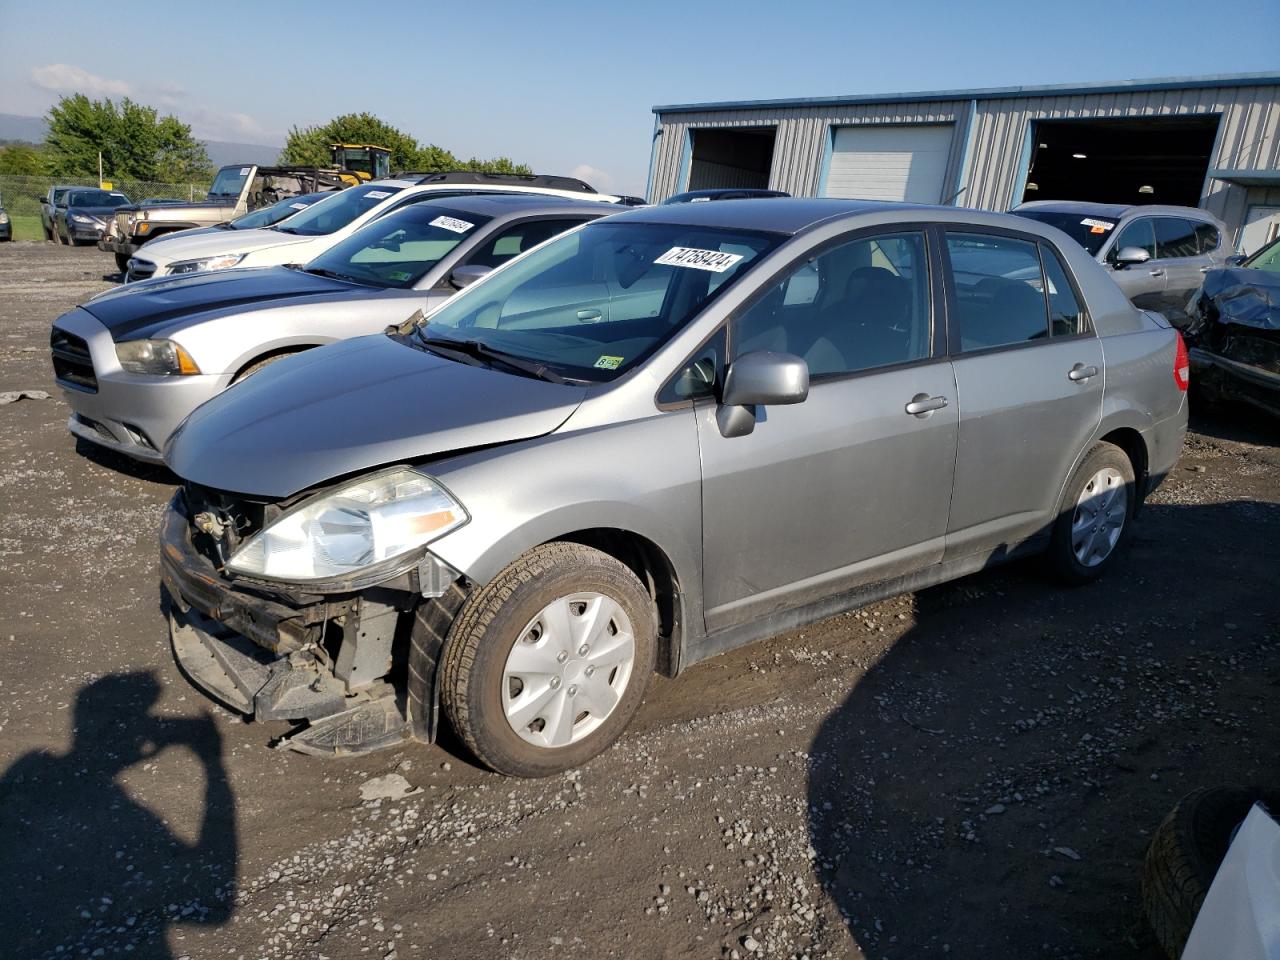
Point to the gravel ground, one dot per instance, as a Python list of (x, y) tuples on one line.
[(970, 771)]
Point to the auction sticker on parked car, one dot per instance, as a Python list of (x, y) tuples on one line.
[(377, 195), (452, 223), (607, 362), (713, 260), (1097, 226)]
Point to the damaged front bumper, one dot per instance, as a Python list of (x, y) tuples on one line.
[(1249, 383), (357, 668)]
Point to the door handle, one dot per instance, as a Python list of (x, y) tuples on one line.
[(922, 405), (1156, 273), (1080, 373), (1205, 269), (589, 316)]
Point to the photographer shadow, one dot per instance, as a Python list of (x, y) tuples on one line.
[(84, 864)]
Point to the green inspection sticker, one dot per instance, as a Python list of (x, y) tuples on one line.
[(399, 275), (608, 363)]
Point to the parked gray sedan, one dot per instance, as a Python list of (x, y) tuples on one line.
[(658, 437), (134, 362)]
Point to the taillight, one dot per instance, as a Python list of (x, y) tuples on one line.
[(1181, 364)]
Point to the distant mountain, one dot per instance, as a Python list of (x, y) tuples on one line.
[(221, 152)]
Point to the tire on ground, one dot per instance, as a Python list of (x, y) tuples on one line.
[(488, 626), (1185, 853), (1061, 556), (257, 365), (122, 262)]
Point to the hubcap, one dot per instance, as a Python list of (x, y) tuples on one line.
[(1099, 517), (568, 669)]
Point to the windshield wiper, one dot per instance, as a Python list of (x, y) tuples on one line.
[(335, 275), (482, 351)]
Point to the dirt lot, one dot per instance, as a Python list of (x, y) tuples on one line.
[(972, 771)]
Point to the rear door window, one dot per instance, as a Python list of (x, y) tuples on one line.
[(1207, 237), (1139, 234), (1066, 317), (1175, 238), (516, 239), (999, 290)]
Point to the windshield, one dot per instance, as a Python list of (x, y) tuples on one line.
[(335, 212), (1268, 258), (96, 198), (275, 213), (397, 250), (596, 302), (229, 182), (1091, 232)]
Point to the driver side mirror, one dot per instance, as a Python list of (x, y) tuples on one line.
[(1130, 256), (1236, 259), (463, 277), (759, 378)]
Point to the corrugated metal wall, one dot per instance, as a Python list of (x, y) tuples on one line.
[(1248, 137)]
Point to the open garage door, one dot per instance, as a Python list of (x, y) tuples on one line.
[(1142, 160), (889, 162), (737, 157)]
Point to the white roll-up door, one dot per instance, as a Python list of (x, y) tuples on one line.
[(890, 162)]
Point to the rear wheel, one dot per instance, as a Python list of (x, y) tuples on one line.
[(1093, 518), (122, 262), (547, 663)]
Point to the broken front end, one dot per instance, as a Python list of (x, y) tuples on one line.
[(349, 657), (1235, 337)]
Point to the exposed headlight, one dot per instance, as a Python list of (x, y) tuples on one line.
[(81, 218), (380, 518), (208, 263), (161, 357), (4, 217)]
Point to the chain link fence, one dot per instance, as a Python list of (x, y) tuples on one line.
[(21, 195)]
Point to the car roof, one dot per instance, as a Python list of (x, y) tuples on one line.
[(787, 215), (1116, 210), (492, 204)]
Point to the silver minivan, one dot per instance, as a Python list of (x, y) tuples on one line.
[(1157, 254), (655, 438)]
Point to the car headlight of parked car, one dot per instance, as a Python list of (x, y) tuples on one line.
[(81, 218), (4, 217), (159, 357), (379, 519), (206, 263)]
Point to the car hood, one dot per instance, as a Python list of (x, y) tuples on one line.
[(193, 246), (98, 213), (353, 406), (136, 311), (1240, 296)]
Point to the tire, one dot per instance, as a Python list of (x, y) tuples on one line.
[(62, 241), (1185, 853), (476, 688), (48, 233), (122, 262), (257, 365), (1065, 561)]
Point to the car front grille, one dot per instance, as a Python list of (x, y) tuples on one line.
[(139, 270), (72, 364), (122, 223)]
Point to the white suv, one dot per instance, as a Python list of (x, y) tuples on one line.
[(314, 230)]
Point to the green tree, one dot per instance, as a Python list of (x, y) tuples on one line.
[(309, 146), (22, 160), (134, 140)]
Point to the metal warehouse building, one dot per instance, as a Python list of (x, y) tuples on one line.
[(1212, 142)]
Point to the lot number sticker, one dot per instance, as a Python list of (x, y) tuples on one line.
[(452, 223), (608, 363), (692, 257), (244, 171), (377, 194), (297, 206), (1097, 226)]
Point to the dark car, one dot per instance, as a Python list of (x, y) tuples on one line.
[(6, 228), (50, 204), (84, 214), (722, 193), (1235, 332)]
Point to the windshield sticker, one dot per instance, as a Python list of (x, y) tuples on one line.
[(244, 171), (452, 223), (297, 206), (399, 275), (1097, 226), (700, 200), (377, 194), (608, 363), (712, 260)]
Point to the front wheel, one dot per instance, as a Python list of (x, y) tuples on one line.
[(122, 262), (546, 664), (1094, 517)]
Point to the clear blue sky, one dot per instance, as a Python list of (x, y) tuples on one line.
[(569, 85)]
